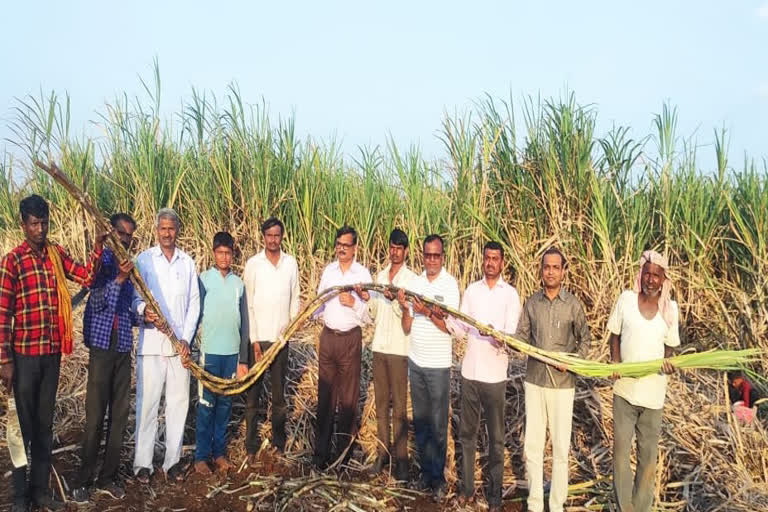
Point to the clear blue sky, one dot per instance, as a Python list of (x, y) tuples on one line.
[(359, 70)]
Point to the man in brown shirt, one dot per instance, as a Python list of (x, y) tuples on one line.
[(552, 319)]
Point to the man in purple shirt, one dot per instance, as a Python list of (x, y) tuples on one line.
[(107, 331), (493, 302)]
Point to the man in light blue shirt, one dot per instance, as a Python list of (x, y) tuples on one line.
[(224, 316), (171, 277)]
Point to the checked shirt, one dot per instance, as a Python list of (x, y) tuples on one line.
[(28, 301)]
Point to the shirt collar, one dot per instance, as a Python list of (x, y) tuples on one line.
[(439, 276), (158, 252), (500, 283), (560, 295), (216, 270), (263, 255)]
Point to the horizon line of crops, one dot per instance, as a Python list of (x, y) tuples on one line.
[(546, 180)]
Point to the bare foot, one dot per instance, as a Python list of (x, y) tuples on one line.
[(202, 468), (222, 464)]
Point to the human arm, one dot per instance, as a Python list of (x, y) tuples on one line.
[(245, 344), (8, 280), (406, 319)]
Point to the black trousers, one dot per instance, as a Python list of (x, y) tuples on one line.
[(488, 397), (253, 397), (35, 382), (108, 392)]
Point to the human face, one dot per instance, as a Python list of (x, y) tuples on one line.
[(222, 258), (652, 279), (552, 271), (493, 262), (35, 230), (345, 248), (166, 233), (273, 237), (433, 258), (396, 254), (124, 231)]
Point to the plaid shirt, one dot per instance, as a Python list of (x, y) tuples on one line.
[(109, 303), (28, 301)]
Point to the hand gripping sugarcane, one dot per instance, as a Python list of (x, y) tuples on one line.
[(715, 359)]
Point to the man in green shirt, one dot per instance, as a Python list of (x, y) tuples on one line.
[(224, 316)]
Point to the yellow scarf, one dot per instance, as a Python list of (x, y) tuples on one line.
[(65, 300)]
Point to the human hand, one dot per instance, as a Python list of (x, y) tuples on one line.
[(257, 354), (346, 299), (667, 367), (184, 353), (419, 308), (98, 244), (401, 300), (363, 294), (6, 375), (125, 271), (242, 370), (151, 317)]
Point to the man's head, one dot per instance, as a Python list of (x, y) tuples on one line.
[(167, 227), (34, 220), (653, 273), (493, 260), (398, 245), (272, 230), (434, 255), (124, 226), (346, 244), (553, 268), (223, 250)]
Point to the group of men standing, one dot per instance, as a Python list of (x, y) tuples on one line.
[(240, 318)]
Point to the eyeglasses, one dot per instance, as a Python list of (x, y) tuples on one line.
[(433, 255), (342, 245)]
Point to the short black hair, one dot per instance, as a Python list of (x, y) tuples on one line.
[(35, 206), (398, 237), (122, 217), (223, 239), (434, 238), (555, 250), (272, 222), (493, 246), (347, 230)]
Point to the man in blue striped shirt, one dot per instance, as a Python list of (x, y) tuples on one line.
[(107, 330)]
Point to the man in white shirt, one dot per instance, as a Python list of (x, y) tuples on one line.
[(430, 357), (644, 326), (171, 277), (493, 302), (272, 296), (340, 348), (390, 360)]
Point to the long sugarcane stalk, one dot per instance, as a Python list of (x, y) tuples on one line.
[(713, 359)]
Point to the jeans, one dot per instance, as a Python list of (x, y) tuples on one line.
[(213, 410), (430, 393)]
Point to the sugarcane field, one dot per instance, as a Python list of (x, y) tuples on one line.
[(404, 257)]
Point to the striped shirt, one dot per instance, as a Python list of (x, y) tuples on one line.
[(29, 304), (430, 347)]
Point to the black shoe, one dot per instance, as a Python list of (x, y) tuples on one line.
[(175, 473), (112, 489), (20, 506), (46, 502), (422, 484), (81, 494), (401, 470), (381, 464), (320, 462), (143, 476)]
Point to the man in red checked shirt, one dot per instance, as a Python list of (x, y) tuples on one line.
[(31, 341)]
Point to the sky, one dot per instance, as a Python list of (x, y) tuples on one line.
[(358, 71)]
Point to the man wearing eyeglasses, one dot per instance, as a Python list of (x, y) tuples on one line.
[(430, 357), (340, 348)]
